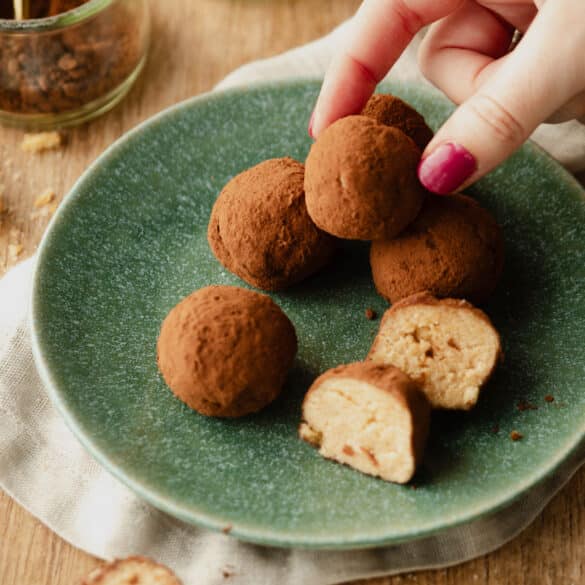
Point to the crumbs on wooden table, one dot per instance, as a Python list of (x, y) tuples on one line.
[(14, 251), (41, 141), (44, 205), (15, 246), (46, 197)]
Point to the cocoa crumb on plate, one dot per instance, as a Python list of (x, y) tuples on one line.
[(523, 405), (370, 314)]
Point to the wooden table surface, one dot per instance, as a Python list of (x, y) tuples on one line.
[(195, 44)]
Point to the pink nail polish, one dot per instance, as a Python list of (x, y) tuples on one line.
[(446, 168), (310, 129)]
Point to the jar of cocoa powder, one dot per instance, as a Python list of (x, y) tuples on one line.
[(70, 60)]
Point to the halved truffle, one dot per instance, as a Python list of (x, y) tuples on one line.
[(448, 346), (454, 248), (360, 180), (225, 351), (260, 229), (135, 570), (392, 111), (371, 417)]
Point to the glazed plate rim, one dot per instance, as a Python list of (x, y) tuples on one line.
[(191, 514)]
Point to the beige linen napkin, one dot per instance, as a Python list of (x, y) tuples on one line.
[(43, 466)]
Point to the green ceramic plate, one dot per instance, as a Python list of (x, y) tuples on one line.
[(130, 241)]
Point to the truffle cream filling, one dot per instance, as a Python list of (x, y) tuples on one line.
[(449, 351), (366, 427)]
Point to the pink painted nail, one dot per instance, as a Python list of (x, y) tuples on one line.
[(311, 119), (446, 168)]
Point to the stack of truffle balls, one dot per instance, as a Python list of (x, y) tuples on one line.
[(225, 351)]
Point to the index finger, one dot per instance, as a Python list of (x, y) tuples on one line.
[(380, 32)]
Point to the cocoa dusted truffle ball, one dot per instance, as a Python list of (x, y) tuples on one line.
[(392, 111), (454, 248), (225, 351), (372, 417), (260, 229), (360, 180)]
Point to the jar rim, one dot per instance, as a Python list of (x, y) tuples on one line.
[(59, 21)]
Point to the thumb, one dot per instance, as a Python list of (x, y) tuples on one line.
[(532, 83)]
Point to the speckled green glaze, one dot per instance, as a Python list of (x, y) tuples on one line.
[(130, 242)]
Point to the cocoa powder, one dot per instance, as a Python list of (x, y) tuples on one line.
[(454, 248), (226, 351), (260, 228), (61, 70), (392, 111), (360, 180)]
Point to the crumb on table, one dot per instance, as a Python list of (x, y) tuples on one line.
[(46, 211), (14, 251), (46, 197), (41, 141), (15, 246)]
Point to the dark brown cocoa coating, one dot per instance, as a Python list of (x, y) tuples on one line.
[(392, 111), (225, 351), (453, 249), (260, 229), (360, 180)]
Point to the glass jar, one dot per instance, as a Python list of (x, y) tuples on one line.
[(66, 69)]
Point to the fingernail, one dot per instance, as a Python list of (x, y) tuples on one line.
[(446, 168), (310, 129)]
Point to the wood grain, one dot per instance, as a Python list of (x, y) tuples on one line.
[(195, 44)]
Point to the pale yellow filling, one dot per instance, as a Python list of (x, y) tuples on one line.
[(361, 425), (449, 351)]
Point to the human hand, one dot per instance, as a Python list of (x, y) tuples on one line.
[(504, 95)]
